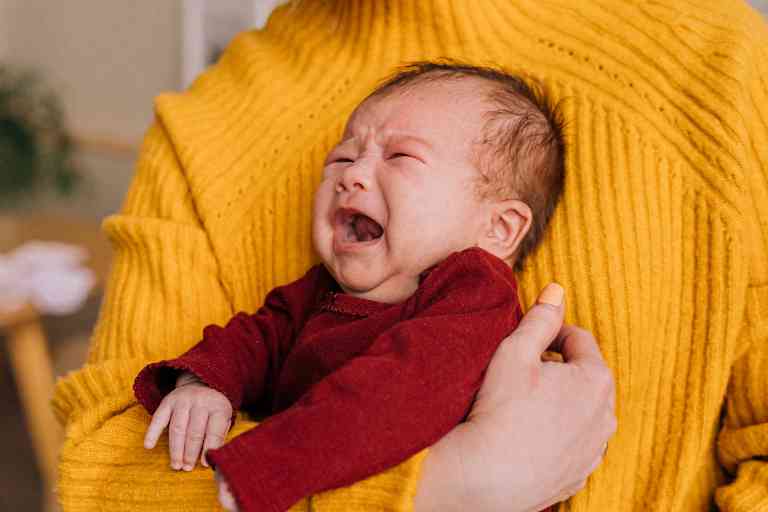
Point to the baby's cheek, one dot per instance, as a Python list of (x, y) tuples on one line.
[(323, 196), (321, 239), (322, 203)]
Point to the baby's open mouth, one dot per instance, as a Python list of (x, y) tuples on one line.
[(357, 227)]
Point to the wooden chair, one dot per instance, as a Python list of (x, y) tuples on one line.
[(27, 345)]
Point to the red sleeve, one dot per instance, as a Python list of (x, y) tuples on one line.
[(242, 358), (409, 388)]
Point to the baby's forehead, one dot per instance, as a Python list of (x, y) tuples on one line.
[(446, 92), (428, 107)]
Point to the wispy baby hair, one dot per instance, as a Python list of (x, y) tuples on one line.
[(520, 153)]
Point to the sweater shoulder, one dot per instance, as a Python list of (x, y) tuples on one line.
[(467, 280)]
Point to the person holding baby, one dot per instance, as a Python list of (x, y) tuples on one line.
[(658, 241)]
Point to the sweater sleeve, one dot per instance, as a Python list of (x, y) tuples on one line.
[(152, 304), (743, 440), (413, 384), (241, 359)]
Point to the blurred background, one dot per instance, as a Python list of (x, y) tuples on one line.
[(77, 81)]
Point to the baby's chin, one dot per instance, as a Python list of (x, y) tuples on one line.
[(361, 288), (363, 285)]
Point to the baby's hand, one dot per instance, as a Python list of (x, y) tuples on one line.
[(199, 417), (225, 497)]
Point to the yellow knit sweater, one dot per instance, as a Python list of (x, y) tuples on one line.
[(661, 241)]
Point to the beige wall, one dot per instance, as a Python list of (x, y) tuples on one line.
[(108, 60), (3, 33)]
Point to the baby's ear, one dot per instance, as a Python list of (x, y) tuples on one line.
[(508, 223)]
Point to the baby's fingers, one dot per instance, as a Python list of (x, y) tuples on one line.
[(157, 425), (177, 433), (218, 426), (194, 439)]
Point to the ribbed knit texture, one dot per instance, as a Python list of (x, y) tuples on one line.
[(661, 240)]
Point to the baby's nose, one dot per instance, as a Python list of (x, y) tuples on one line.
[(349, 186), (354, 178)]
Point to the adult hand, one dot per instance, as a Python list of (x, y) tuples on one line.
[(537, 429)]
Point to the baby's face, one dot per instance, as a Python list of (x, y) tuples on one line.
[(398, 191)]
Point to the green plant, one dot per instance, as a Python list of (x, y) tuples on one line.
[(35, 149)]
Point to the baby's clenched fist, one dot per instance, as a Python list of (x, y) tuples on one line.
[(198, 417)]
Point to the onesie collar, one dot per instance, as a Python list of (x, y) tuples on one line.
[(351, 305)]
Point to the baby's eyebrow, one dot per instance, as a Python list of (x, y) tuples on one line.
[(389, 138), (402, 137)]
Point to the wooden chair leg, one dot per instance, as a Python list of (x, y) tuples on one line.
[(33, 372)]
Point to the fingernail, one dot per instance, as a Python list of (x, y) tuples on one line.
[(552, 294)]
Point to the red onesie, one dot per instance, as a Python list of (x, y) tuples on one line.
[(352, 386)]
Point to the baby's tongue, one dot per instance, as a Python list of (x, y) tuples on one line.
[(366, 228)]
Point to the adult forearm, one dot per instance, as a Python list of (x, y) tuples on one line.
[(441, 486)]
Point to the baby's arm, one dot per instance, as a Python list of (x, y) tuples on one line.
[(412, 385), (197, 417), (237, 362)]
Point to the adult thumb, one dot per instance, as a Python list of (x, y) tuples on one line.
[(541, 324)]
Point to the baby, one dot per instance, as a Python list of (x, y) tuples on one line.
[(445, 178)]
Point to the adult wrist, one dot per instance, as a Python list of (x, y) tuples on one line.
[(441, 486)]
